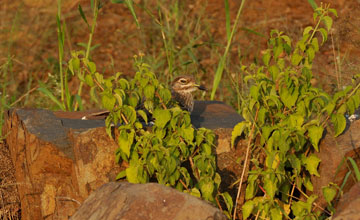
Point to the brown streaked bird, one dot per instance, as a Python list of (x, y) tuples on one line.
[(181, 90)]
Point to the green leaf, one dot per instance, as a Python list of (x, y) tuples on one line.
[(207, 189), (227, 19), (311, 54), (124, 84), (92, 67), (228, 201), (262, 116), (329, 193), (328, 22), (89, 80), (188, 134), (300, 208), (307, 183), (121, 175), (129, 113), (315, 134), (132, 174), (266, 58), (277, 51), (307, 30), (133, 100), (323, 34), (247, 208), (313, 4), (143, 115), (270, 187), (165, 94), (332, 10), (149, 91), (315, 44), (254, 92), (125, 141), (118, 96), (339, 122), (356, 100), (83, 16), (351, 105), (108, 101), (195, 192), (130, 5), (295, 163), (46, 92), (296, 58), (238, 130), (251, 189), (330, 107), (275, 213), (311, 164), (149, 105), (162, 117), (74, 65), (288, 98), (355, 167)]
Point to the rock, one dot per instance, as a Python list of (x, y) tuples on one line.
[(333, 154), (122, 200), (219, 117), (57, 166), (349, 205), (60, 159)]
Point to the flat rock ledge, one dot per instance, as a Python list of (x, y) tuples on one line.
[(151, 201), (60, 159)]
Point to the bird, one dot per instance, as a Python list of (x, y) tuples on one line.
[(182, 88)]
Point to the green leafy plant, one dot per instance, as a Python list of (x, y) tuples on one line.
[(68, 101), (157, 142), (285, 118)]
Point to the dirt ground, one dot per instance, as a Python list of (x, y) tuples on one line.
[(28, 36)]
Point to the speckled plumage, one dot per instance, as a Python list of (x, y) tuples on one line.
[(181, 90)]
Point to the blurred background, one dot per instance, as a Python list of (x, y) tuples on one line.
[(195, 39)]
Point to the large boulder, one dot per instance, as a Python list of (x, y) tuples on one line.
[(349, 205), (334, 166), (151, 201)]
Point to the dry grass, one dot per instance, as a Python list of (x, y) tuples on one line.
[(9, 200)]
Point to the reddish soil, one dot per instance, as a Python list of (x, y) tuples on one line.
[(28, 36)]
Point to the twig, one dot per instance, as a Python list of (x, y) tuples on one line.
[(123, 117), (337, 73), (245, 163), (67, 199), (24, 95), (292, 193), (193, 167), (97, 83), (162, 102), (182, 182), (218, 203)]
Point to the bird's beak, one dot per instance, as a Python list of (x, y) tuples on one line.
[(200, 87)]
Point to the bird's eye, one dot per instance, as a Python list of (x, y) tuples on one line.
[(183, 81)]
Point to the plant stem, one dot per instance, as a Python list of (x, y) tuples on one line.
[(245, 163), (61, 51), (88, 48), (221, 65)]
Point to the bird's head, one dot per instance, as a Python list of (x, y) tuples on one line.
[(185, 84)]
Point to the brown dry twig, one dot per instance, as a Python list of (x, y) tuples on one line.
[(246, 166)]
